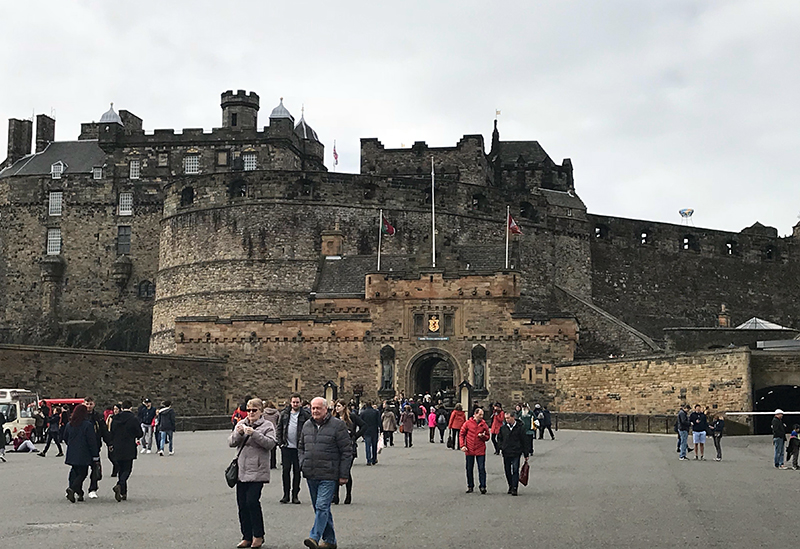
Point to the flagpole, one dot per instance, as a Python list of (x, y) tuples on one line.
[(380, 235), (508, 219), (433, 215)]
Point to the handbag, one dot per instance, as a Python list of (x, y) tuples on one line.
[(451, 441), (232, 471), (401, 428), (524, 472)]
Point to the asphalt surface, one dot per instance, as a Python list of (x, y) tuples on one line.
[(588, 489)]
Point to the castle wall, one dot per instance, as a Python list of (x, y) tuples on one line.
[(193, 384), (659, 284)]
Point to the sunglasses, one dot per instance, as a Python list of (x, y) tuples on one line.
[(252, 410)]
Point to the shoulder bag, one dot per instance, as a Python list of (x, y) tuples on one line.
[(232, 472)]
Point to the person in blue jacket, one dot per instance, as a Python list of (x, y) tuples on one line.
[(82, 450)]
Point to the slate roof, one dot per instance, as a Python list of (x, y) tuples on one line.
[(483, 258), (78, 157), (530, 151), (564, 199), (346, 275)]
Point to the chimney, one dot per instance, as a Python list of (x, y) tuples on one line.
[(333, 242), (45, 131), (724, 317), (20, 135), (131, 122)]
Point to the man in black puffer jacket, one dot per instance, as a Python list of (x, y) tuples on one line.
[(513, 444), (326, 452), (125, 429)]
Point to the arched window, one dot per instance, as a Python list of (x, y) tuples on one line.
[(479, 367), (770, 253), (690, 243), (731, 248), (187, 196), (387, 367), (479, 202), (527, 211), (369, 192), (147, 290), (645, 237), (601, 232), (238, 189)]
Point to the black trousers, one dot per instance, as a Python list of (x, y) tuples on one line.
[(541, 431), (124, 470), (388, 438), (290, 461), (248, 498), (433, 433), (442, 429), (718, 445), (511, 467), (495, 443), (77, 474), (529, 442), (52, 436), (95, 476)]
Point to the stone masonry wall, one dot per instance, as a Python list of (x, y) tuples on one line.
[(195, 385)]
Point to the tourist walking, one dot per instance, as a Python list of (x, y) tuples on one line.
[(496, 421), (355, 426), (513, 444), (548, 423), (326, 454), (82, 450), (101, 434), (125, 430), (778, 438), (472, 441), (290, 425), (407, 421), (699, 423), (372, 425), (146, 414), (165, 417), (255, 438), (530, 425), (272, 415), (718, 428), (116, 409), (457, 419), (683, 430), (442, 417), (432, 423), (389, 426), (53, 426), (793, 450)]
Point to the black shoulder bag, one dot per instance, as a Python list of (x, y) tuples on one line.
[(232, 472)]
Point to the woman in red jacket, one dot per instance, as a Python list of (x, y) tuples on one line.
[(457, 419), (498, 418)]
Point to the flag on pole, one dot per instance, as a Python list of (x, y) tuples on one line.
[(513, 228), (386, 227), (335, 155)]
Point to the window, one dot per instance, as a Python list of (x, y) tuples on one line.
[(123, 240), (97, 173), (569, 212), (238, 189), (770, 253), (449, 324), (249, 161), (419, 324), (147, 290), (56, 170), (644, 238), (191, 164), (601, 232), (234, 119), (222, 158), (134, 169), (55, 202), (690, 243), (731, 247), (187, 196), (53, 241), (125, 203)]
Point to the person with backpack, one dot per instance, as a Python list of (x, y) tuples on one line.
[(442, 416)]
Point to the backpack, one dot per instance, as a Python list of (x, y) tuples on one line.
[(440, 420)]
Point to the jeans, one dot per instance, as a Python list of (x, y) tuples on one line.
[(684, 436), (290, 463), (248, 499), (371, 448), (511, 466), (779, 445), (124, 469), (718, 445), (147, 437), (321, 495), (52, 436), (165, 436), (408, 438), (77, 474), (481, 471)]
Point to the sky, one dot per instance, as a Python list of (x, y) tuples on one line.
[(660, 105)]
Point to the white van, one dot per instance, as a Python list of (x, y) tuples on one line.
[(18, 406)]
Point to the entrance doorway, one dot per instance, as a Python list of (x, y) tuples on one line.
[(431, 372), (768, 399)]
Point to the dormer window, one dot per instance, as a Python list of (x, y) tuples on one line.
[(97, 173), (135, 169), (250, 162), (191, 164), (56, 170)]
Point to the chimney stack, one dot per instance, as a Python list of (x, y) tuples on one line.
[(45, 131), (724, 317), (20, 137)]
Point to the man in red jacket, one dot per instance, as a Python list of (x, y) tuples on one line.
[(472, 439)]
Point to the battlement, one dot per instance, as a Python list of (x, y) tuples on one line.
[(241, 97), (434, 285)]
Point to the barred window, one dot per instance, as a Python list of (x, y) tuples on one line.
[(125, 203), (56, 170), (123, 240), (135, 169), (191, 164), (249, 161), (55, 202), (53, 241), (97, 173)]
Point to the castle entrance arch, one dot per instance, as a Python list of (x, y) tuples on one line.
[(769, 399), (431, 371)]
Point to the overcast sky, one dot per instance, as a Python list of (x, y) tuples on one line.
[(661, 105)]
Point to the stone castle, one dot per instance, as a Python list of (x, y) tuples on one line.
[(239, 243)]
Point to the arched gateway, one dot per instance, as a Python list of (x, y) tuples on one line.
[(430, 371)]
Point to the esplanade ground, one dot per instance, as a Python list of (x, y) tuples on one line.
[(588, 489)]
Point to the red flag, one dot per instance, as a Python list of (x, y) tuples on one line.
[(513, 228), (335, 155), (387, 227)]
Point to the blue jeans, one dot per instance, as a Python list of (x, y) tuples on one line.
[(481, 471), (371, 449), (163, 436), (322, 492), (684, 436), (779, 445)]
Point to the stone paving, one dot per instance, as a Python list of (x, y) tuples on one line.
[(589, 489)]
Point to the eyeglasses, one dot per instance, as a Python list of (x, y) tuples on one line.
[(252, 410)]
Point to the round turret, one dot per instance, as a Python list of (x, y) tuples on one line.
[(240, 110)]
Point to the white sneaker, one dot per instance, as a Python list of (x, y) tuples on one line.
[(141, 450), (92, 495), (171, 452), (149, 451), (161, 452)]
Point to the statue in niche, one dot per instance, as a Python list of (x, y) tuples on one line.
[(387, 367), (479, 366)]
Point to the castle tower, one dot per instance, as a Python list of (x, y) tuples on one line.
[(240, 110)]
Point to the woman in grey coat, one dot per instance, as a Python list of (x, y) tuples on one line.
[(255, 437)]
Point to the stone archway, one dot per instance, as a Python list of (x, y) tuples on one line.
[(430, 371)]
